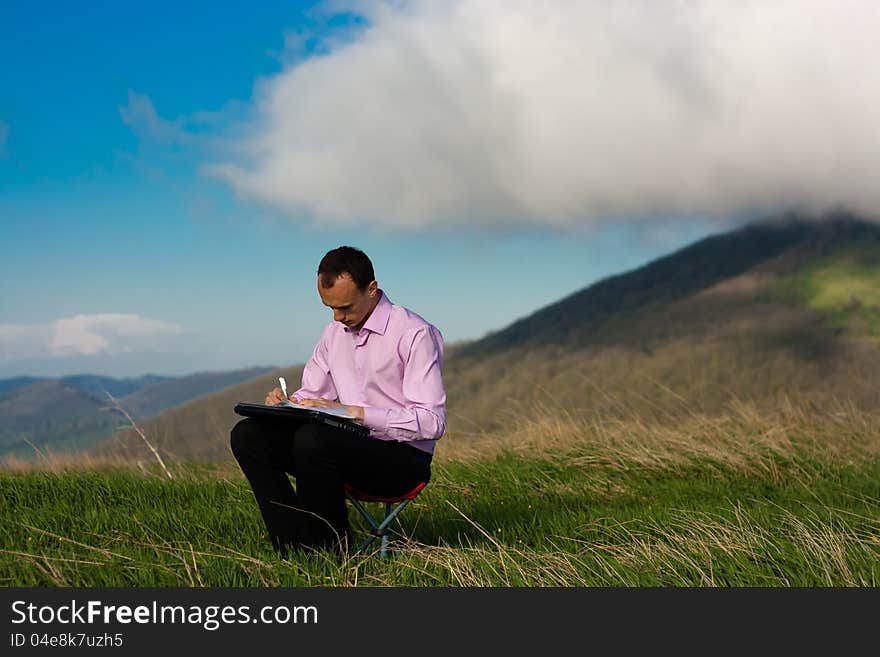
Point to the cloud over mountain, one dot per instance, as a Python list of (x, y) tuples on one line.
[(566, 112), (83, 335)]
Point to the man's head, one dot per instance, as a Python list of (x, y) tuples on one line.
[(347, 285)]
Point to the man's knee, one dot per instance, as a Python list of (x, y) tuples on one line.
[(243, 435)]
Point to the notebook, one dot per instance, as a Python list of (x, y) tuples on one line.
[(335, 417)]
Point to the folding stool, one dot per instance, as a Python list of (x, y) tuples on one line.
[(393, 506)]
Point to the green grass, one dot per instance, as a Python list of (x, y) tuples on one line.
[(732, 502)]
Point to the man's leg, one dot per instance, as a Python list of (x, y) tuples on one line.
[(320, 485), (264, 450), (326, 459)]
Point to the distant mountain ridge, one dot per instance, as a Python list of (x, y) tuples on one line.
[(671, 278), (8, 386), (93, 385), (97, 386), (75, 412), (780, 309)]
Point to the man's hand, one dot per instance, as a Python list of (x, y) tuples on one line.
[(276, 395), (357, 412)]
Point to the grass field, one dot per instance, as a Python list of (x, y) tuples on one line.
[(739, 499)]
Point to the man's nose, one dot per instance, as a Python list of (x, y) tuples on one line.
[(338, 315)]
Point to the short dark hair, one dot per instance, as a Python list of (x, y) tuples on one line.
[(346, 260)]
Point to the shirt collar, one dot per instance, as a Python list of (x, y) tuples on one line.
[(377, 322)]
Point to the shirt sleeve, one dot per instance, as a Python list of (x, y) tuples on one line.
[(317, 383), (423, 416)]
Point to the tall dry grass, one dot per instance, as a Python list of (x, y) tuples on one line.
[(561, 499)]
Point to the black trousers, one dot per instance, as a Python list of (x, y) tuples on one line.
[(322, 459)]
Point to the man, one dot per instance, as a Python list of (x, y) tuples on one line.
[(383, 363)]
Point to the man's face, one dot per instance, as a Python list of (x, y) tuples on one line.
[(350, 306)]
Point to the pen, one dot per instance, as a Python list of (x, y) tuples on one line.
[(283, 386)]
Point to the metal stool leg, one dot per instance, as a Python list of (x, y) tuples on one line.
[(384, 551), (378, 529)]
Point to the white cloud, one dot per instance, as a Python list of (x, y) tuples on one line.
[(141, 117), (564, 112), (84, 335)]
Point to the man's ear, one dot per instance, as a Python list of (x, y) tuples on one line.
[(373, 288)]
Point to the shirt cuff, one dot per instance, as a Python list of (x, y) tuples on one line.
[(376, 418)]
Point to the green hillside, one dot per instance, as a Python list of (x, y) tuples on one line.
[(843, 286), (621, 300), (758, 332)]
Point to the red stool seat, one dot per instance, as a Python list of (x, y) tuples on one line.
[(366, 497), (393, 506)]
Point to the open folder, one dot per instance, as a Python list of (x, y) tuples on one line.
[(335, 417)]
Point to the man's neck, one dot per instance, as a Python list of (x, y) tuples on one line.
[(357, 328)]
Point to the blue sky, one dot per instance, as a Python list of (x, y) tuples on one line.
[(171, 174)]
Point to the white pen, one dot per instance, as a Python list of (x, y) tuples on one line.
[(283, 386)]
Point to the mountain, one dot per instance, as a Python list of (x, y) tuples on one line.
[(787, 307), (51, 412), (74, 412), (572, 320), (783, 309), (98, 386), (91, 384), (8, 386), (150, 400)]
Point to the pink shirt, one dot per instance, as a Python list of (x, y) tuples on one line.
[(392, 366)]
